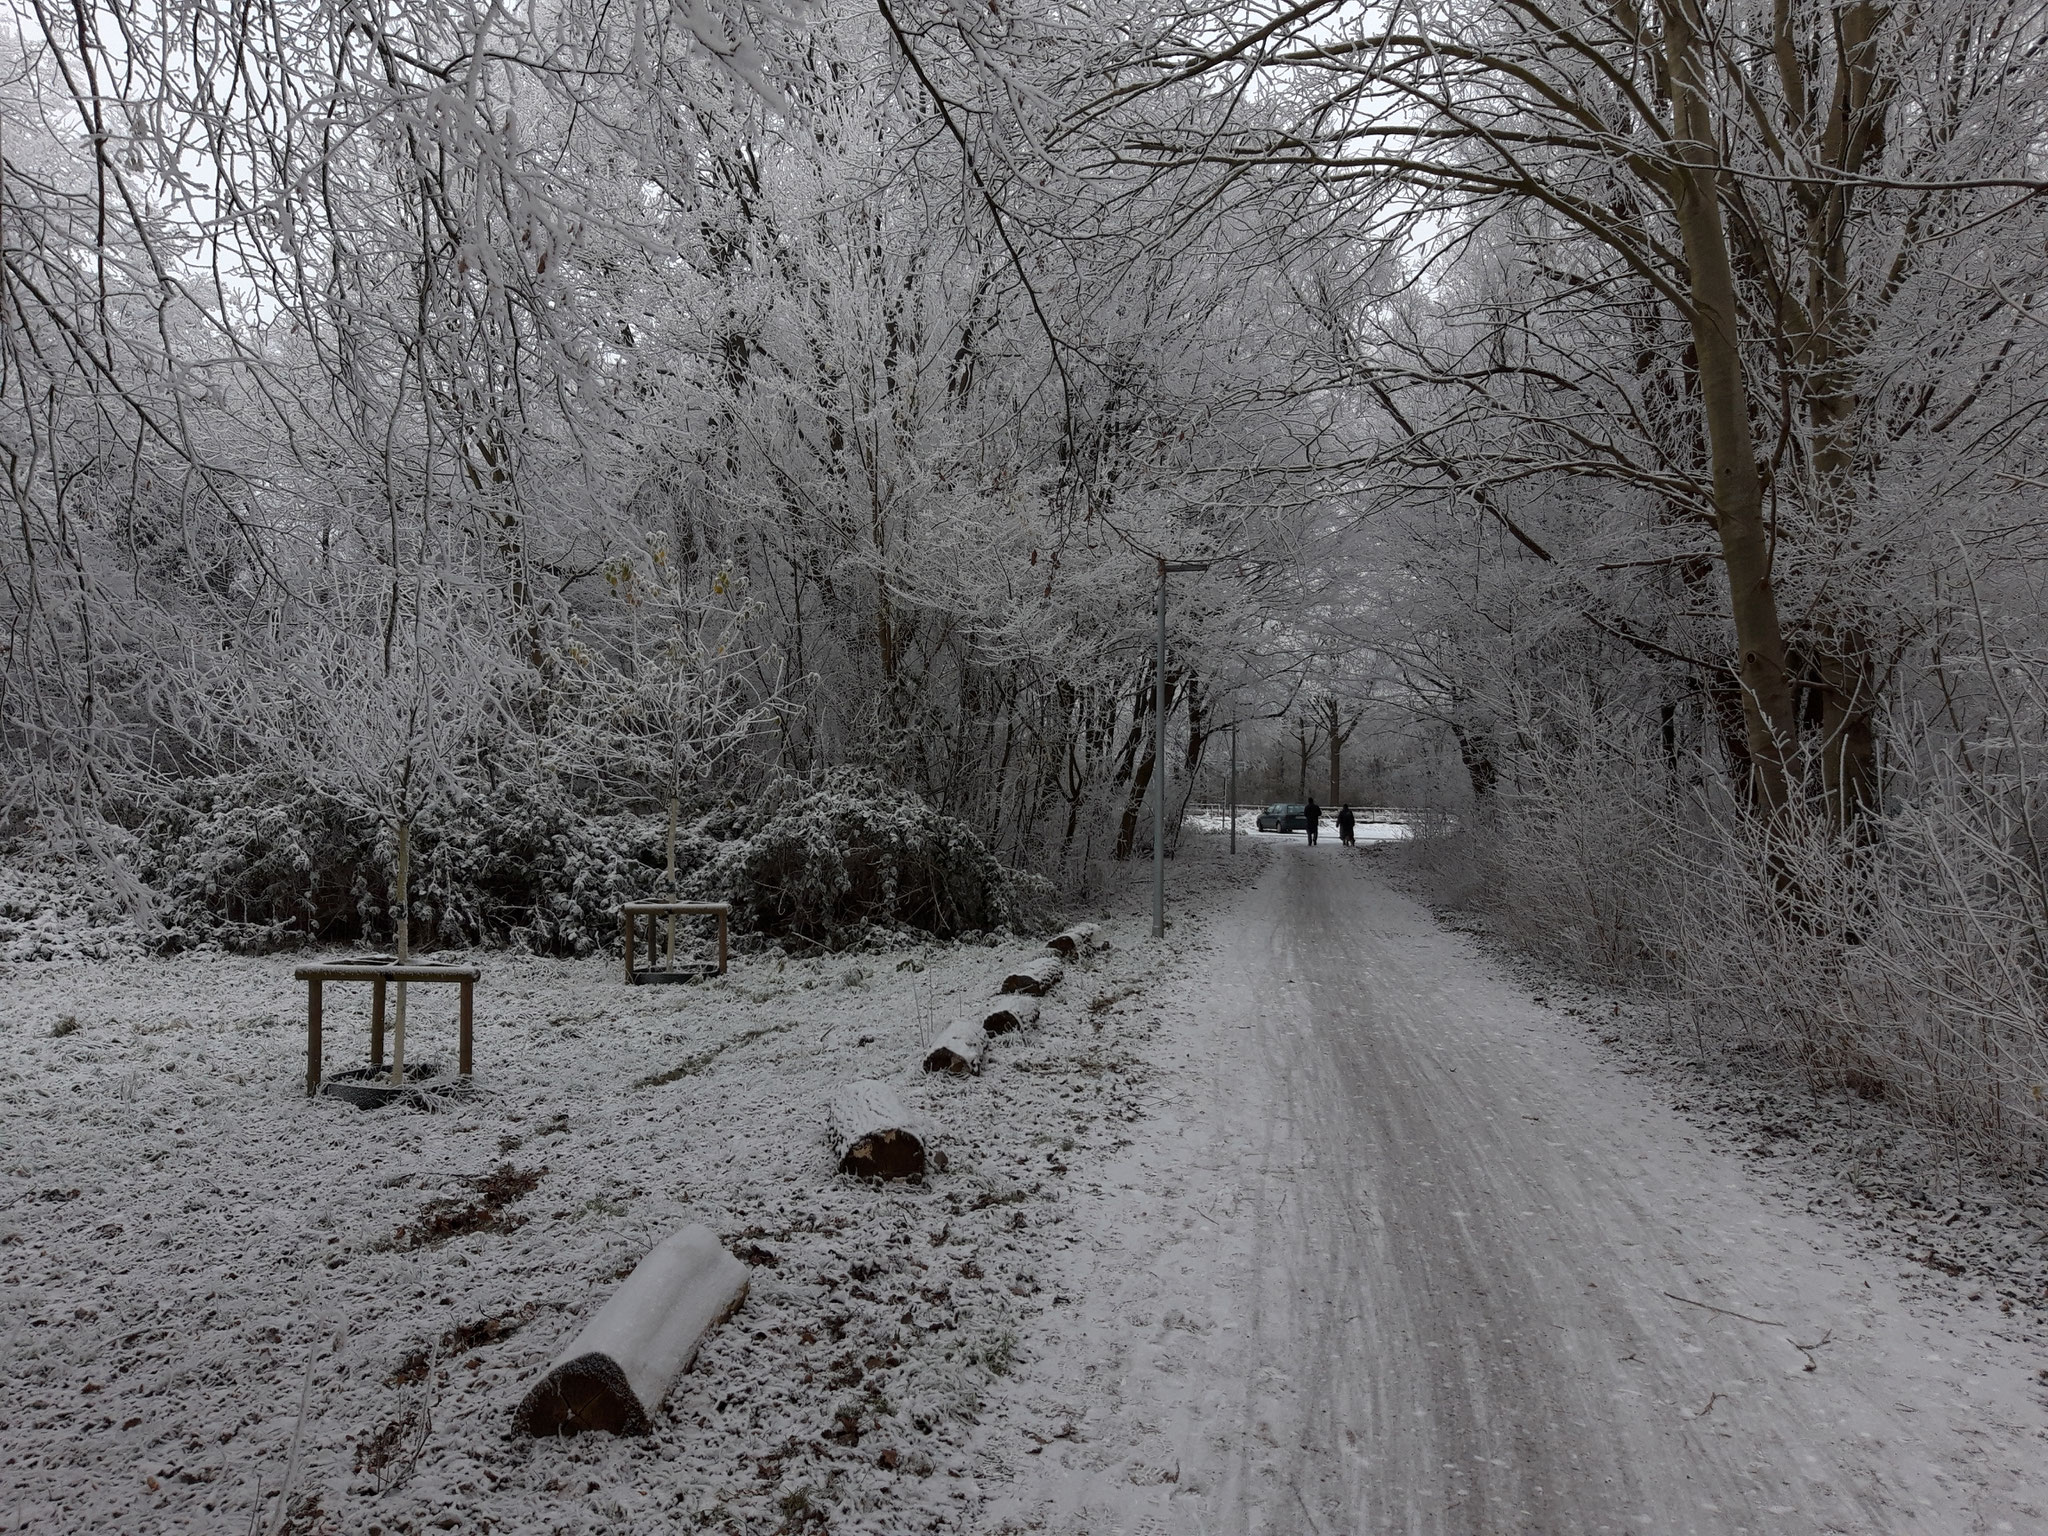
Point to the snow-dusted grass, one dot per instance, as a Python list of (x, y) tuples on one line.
[(183, 1237)]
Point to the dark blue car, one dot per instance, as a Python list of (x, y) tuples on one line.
[(1284, 818)]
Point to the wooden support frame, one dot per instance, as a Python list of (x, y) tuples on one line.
[(378, 975), (630, 914)]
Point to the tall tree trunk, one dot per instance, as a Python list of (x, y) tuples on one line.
[(1477, 756), (1848, 730), (1771, 725), (1137, 768), (1336, 754), (403, 912), (1134, 807), (1852, 142), (1340, 734)]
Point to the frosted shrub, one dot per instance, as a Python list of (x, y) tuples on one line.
[(1908, 968), (1567, 857), (1908, 964), (1583, 858), (526, 864), (256, 863), (830, 861)]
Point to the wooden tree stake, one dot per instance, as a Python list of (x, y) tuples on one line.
[(404, 956)]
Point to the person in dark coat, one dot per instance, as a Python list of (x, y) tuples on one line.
[(1345, 823), (1314, 815)]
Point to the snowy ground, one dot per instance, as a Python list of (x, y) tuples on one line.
[(1316, 1218), (1948, 1227), (186, 1243), (1424, 1254)]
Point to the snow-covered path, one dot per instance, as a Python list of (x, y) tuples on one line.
[(1406, 1256)]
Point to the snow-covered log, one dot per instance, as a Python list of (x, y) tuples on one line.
[(1005, 1017), (1035, 978), (871, 1133), (1077, 940), (619, 1368), (959, 1050)]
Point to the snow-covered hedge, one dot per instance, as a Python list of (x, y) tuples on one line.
[(834, 860), (254, 863), (59, 911)]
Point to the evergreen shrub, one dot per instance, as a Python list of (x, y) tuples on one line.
[(838, 860)]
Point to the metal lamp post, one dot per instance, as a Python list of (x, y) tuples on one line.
[(1233, 786), (1159, 750)]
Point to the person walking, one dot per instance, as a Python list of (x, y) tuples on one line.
[(1313, 813), (1346, 822)]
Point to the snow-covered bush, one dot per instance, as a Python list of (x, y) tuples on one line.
[(1911, 967), (833, 860), (1567, 855), (1908, 963), (1575, 843), (256, 863), (526, 864), (60, 908)]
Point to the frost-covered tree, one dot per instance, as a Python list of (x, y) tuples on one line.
[(683, 685), (386, 700)]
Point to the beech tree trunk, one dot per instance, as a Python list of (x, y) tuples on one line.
[(1340, 734), (1746, 547), (1848, 731), (1827, 337), (1336, 755)]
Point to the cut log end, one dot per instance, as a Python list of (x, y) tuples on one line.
[(871, 1135), (890, 1154), (615, 1374), (1006, 1018), (1077, 940), (945, 1059), (588, 1392), (1035, 979), (959, 1050)]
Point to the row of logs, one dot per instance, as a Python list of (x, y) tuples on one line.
[(871, 1133), (616, 1372)]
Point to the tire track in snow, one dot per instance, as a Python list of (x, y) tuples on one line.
[(1422, 1243)]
